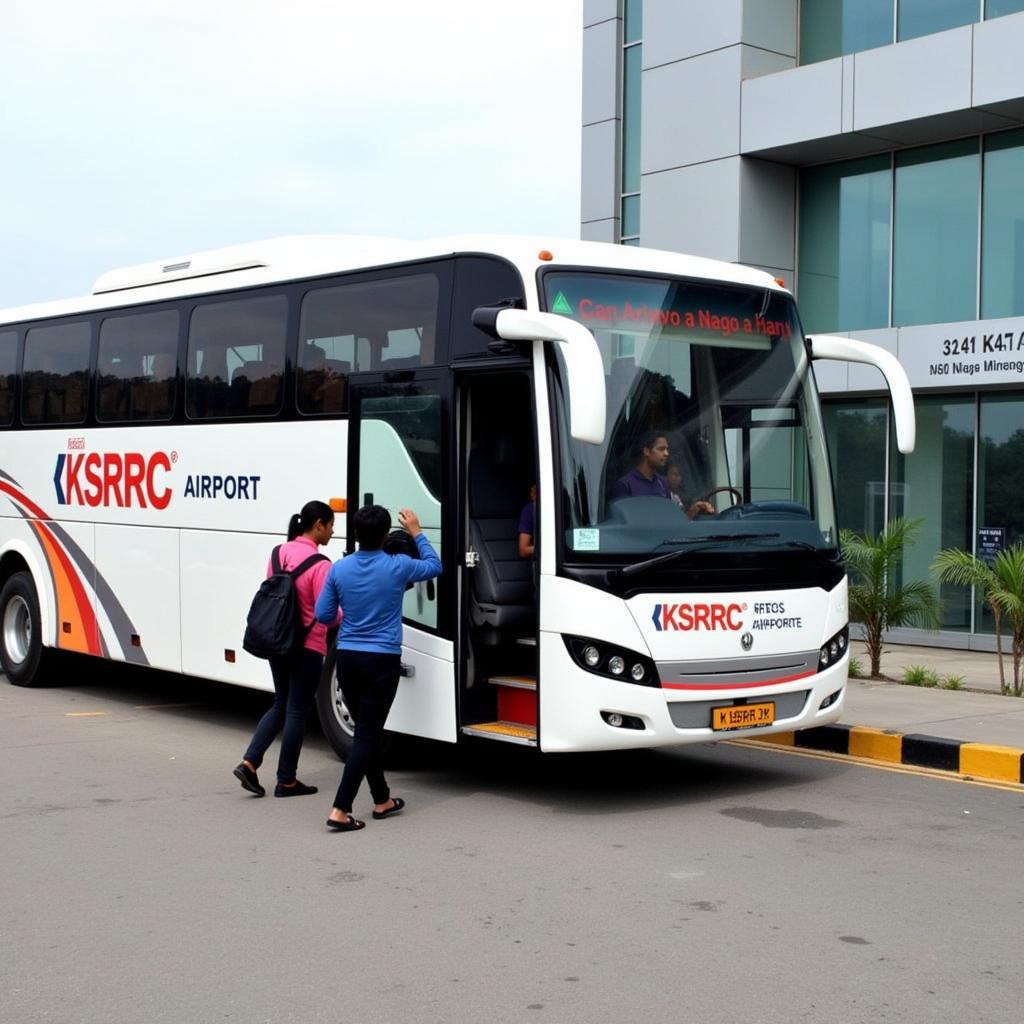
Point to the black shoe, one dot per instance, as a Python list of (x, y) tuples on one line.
[(399, 804), (299, 789), (350, 824), (247, 777)]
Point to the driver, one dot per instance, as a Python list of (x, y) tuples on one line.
[(645, 479)]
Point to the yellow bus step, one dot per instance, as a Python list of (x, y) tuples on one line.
[(510, 732)]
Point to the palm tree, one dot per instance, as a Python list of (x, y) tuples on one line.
[(1001, 587), (875, 600)]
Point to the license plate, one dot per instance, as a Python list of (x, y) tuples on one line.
[(742, 716)]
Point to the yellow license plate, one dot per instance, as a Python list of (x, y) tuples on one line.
[(742, 716)]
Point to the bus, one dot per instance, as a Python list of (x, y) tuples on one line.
[(686, 582)]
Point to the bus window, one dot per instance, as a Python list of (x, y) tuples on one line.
[(137, 367), (236, 358), (480, 281), (367, 325), (8, 366), (56, 370)]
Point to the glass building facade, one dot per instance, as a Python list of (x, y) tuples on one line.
[(833, 28)]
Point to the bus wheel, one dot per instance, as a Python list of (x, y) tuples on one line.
[(336, 722), (21, 635)]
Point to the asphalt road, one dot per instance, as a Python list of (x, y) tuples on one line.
[(138, 883)]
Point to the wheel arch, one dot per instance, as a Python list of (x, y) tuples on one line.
[(19, 557)]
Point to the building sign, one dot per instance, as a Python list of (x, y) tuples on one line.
[(978, 354), (991, 540)]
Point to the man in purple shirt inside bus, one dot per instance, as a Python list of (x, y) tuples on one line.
[(527, 525), (645, 478)]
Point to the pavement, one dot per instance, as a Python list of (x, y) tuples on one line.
[(974, 731)]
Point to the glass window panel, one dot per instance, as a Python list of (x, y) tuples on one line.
[(8, 373), (630, 215), (367, 325), (634, 16), (1002, 234), (631, 120), (137, 367), (831, 28), (56, 373), (236, 357), (843, 282), (935, 234), (1000, 458), (935, 484), (922, 17), (997, 8), (856, 434)]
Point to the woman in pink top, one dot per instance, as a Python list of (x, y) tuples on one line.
[(296, 675)]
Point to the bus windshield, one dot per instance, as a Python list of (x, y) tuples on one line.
[(714, 438)]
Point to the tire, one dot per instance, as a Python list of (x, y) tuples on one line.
[(21, 633), (335, 721)]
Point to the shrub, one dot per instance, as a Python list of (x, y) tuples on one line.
[(856, 669), (918, 675), (953, 682)]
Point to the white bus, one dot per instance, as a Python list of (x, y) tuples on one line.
[(156, 435)]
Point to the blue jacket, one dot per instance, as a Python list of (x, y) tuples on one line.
[(369, 586)]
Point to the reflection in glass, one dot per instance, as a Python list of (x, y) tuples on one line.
[(8, 366), (997, 8), (1002, 236), (922, 17), (934, 485), (631, 120), (845, 208), (935, 234), (633, 16), (856, 446), (831, 28), (1000, 458), (630, 216)]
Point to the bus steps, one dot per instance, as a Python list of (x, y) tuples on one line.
[(508, 732), (517, 699)]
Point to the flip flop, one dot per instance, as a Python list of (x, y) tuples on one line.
[(399, 804), (350, 825)]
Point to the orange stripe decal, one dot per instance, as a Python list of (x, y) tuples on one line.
[(73, 604)]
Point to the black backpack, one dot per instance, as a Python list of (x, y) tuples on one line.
[(274, 626), (400, 542)]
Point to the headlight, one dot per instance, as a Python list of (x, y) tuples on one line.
[(637, 672), (612, 662), (616, 665), (591, 655)]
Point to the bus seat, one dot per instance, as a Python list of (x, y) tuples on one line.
[(502, 581)]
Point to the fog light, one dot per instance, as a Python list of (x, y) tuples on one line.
[(637, 672), (829, 700), (614, 719), (591, 655)]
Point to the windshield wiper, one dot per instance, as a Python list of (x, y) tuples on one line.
[(650, 563)]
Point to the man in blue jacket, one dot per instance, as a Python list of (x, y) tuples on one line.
[(368, 586)]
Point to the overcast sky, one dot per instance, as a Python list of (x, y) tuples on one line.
[(134, 130)]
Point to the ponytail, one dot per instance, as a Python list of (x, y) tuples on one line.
[(313, 512)]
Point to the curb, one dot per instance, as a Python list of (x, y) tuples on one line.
[(975, 760)]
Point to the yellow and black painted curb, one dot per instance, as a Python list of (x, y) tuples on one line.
[(975, 760)]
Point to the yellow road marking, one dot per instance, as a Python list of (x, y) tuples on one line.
[(84, 714), (905, 769)]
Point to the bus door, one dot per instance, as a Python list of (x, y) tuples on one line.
[(398, 457), (498, 633)]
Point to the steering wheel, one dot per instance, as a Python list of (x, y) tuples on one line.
[(737, 495)]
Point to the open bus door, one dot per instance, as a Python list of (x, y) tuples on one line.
[(398, 455)]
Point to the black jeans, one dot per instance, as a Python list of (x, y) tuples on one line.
[(369, 683), (295, 682)]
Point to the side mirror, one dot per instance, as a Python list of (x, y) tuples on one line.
[(831, 346), (583, 362)]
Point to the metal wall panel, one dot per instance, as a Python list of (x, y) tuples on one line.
[(678, 29), (599, 185), (601, 57)]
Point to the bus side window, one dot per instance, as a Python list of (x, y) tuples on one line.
[(56, 368), (8, 370), (387, 324), (236, 358), (129, 346)]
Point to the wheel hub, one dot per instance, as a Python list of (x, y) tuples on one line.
[(17, 627)]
